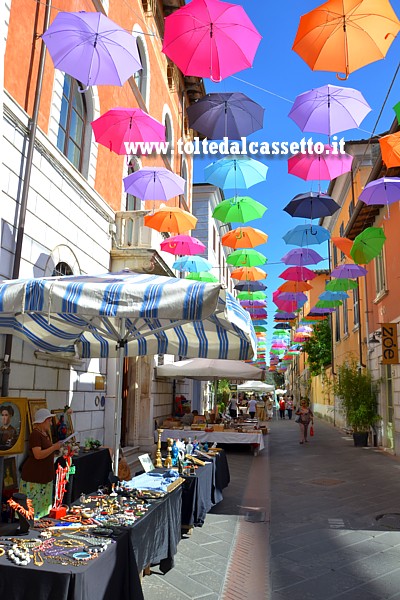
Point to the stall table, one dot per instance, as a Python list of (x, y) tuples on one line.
[(92, 470), (255, 439)]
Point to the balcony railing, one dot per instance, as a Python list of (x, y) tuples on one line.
[(130, 230)]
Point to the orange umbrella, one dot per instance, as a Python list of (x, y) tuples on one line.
[(390, 149), (171, 220), (345, 35), (344, 244), (248, 274), (295, 286), (244, 237)]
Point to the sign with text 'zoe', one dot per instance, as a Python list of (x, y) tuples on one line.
[(390, 351)]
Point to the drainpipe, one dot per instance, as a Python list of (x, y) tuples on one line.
[(25, 190)]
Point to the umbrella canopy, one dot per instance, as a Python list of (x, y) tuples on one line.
[(206, 369), (329, 109), (244, 237), (251, 295), (92, 48), (301, 257), (341, 285), (344, 244), (209, 38), (316, 311), (253, 304), (250, 286), (154, 183), (171, 220), (295, 286), (259, 328), (311, 205), (202, 276), (282, 326), (328, 303), (239, 209), (396, 109), (292, 296), (232, 115), (284, 316), (390, 149), (349, 272), (119, 125), (327, 165), (256, 386), (384, 190), (248, 274), (306, 235), (238, 172), (246, 258), (329, 37), (298, 274), (367, 245), (182, 244), (192, 264), (333, 295)]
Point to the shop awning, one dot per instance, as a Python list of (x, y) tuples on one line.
[(255, 386), (207, 369)]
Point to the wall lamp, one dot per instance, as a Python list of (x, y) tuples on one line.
[(374, 339)]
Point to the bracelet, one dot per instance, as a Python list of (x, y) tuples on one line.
[(2, 551)]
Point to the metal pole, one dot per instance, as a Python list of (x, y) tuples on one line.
[(25, 190), (118, 398)]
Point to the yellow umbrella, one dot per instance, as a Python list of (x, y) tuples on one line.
[(171, 219)]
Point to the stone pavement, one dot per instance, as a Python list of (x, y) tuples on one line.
[(318, 521)]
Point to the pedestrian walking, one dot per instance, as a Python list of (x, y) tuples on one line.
[(289, 407), (261, 408), (252, 406), (305, 416), (269, 405), (282, 407), (233, 406)]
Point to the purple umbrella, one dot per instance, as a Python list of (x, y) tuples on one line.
[(253, 304), (92, 48), (329, 109), (301, 257), (230, 115), (154, 183), (349, 271), (385, 190), (320, 311), (292, 296), (311, 205)]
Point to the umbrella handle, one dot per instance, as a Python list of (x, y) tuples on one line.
[(215, 80), (82, 91), (239, 235), (345, 78)]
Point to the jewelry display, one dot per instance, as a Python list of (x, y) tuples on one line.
[(27, 513), (18, 555), (82, 556), (37, 559), (158, 461), (2, 551)]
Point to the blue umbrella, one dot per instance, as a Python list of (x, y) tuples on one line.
[(192, 264), (306, 235), (232, 115), (250, 286), (237, 172), (333, 296), (311, 205), (282, 326)]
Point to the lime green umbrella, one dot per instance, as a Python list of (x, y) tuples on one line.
[(367, 245), (239, 209), (259, 328), (396, 109), (246, 258), (251, 295), (328, 303), (341, 285), (202, 276)]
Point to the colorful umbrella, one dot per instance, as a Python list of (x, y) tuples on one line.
[(251, 295), (306, 235), (396, 109), (292, 296), (329, 38), (282, 326), (248, 274), (246, 258), (192, 264), (349, 271), (295, 286), (244, 237), (171, 220), (239, 209), (329, 109), (284, 316), (298, 274), (390, 149), (311, 205), (333, 295), (202, 276), (384, 190), (253, 304), (259, 328), (182, 245), (316, 311), (154, 183), (304, 329), (250, 286), (232, 115), (325, 166), (367, 245), (92, 48), (344, 244), (301, 257), (328, 303), (238, 172), (341, 285)]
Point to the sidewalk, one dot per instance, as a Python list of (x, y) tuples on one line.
[(297, 521)]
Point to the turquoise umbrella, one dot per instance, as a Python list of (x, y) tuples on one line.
[(237, 172)]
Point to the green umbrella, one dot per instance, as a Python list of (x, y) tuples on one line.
[(259, 328), (396, 109), (328, 303), (251, 295), (341, 285), (202, 276), (367, 245), (246, 258), (239, 209)]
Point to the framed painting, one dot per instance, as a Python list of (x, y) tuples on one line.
[(61, 426), (12, 425), (33, 406), (10, 479)]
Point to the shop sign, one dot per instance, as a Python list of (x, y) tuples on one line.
[(390, 351)]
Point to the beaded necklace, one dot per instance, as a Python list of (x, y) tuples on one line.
[(28, 514)]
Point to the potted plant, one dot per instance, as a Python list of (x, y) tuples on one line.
[(358, 393)]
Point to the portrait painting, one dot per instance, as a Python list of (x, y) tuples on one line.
[(62, 426), (12, 425), (33, 406), (10, 480)]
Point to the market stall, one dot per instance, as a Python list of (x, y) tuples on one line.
[(227, 436)]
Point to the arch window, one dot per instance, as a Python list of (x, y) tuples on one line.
[(62, 269), (184, 174), (72, 123), (169, 136), (141, 76), (132, 202)]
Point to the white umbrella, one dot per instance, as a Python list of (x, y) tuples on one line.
[(255, 386), (207, 369)]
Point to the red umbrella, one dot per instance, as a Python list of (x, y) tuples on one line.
[(298, 274)]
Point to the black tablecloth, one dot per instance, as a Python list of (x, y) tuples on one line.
[(111, 576), (91, 470)]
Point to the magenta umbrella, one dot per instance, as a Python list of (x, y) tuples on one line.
[(209, 38), (154, 183), (298, 274), (253, 304), (182, 245), (325, 166), (349, 271), (301, 257), (119, 125)]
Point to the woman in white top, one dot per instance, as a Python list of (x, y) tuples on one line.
[(252, 406), (233, 406)]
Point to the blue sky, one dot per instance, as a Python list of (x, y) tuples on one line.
[(280, 70)]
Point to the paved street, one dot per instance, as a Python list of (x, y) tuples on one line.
[(306, 525)]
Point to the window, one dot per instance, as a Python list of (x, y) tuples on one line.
[(214, 242), (345, 317), (380, 279), (334, 254), (141, 76), (356, 300), (341, 233), (62, 269), (132, 202), (169, 137), (73, 116), (184, 174), (337, 324), (351, 208)]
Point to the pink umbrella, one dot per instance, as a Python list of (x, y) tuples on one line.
[(298, 274), (182, 245), (209, 38), (119, 125), (325, 166)]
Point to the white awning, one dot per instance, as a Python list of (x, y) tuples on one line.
[(208, 369)]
